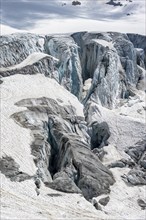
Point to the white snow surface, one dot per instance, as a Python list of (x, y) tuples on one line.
[(104, 43)]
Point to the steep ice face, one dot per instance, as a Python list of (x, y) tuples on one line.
[(109, 59), (139, 41), (16, 47), (127, 54), (69, 67), (105, 84)]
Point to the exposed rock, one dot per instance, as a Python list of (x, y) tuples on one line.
[(137, 152), (54, 194), (99, 152), (70, 152), (136, 177), (141, 203), (78, 154), (38, 183), (96, 204), (40, 148), (117, 164), (127, 162), (99, 134), (104, 201), (63, 183), (11, 169)]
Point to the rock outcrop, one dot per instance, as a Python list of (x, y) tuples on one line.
[(66, 152), (137, 176), (11, 170)]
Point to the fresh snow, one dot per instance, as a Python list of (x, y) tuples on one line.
[(104, 43)]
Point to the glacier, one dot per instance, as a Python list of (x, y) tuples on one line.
[(73, 125)]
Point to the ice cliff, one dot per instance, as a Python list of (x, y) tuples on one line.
[(113, 61)]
